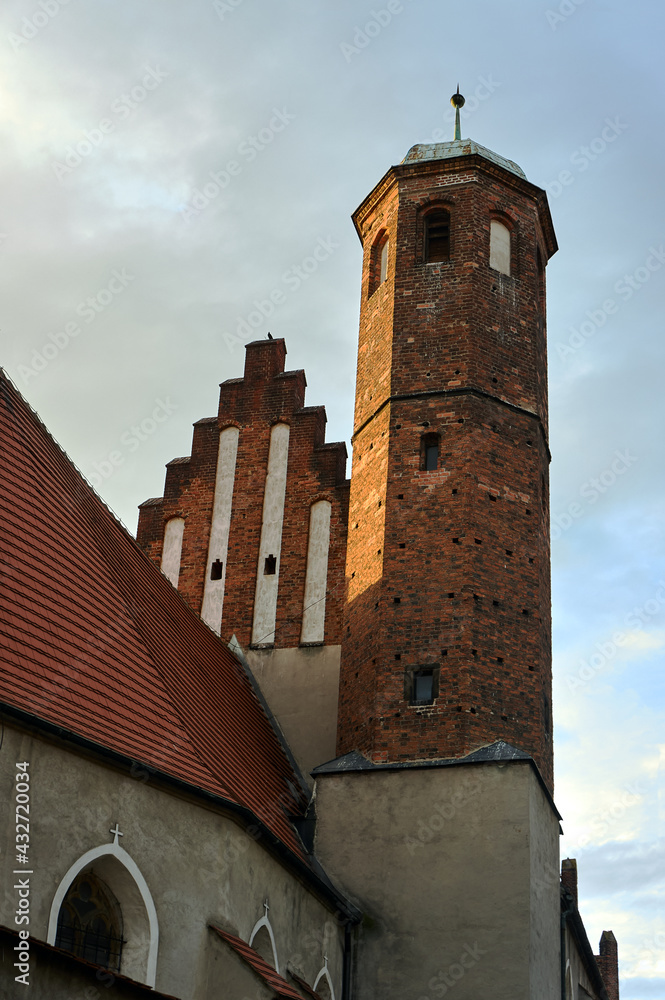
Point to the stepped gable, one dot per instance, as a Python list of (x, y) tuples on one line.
[(97, 643), (264, 397)]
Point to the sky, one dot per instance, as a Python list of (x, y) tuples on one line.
[(166, 165)]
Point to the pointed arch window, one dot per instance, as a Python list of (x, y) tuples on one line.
[(383, 263), (499, 246), (437, 236), (541, 283), (378, 261), (90, 922)]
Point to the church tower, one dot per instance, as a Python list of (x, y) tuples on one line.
[(437, 812), (446, 645)]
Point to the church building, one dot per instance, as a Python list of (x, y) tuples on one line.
[(295, 740)]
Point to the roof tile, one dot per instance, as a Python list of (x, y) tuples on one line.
[(96, 641)]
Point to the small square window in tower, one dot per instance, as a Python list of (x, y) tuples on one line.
[(270, 566), (437, 237), (422, 685)]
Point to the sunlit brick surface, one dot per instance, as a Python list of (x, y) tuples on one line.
[(450, 568)]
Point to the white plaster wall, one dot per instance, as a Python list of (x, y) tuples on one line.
[(545, 881), (575, 969), (172, 549), (316, 579), (213, 594), (442, 859), (499, 247), (301, 687), (199, 865), (265, 599)]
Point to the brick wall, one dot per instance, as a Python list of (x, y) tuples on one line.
[(449, 569), (608, 963), (266, 395), (569, 876)]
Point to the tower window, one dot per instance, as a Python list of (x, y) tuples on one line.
[(270, 566), (378, 261), (541, 283), (422, 685), (437, 236), (499, 247), (216, 570), (90, 923), (429, 452), (383, 264)]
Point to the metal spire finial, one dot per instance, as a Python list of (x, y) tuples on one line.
[(457, 102)]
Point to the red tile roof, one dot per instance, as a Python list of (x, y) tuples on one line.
[(96, 641), (260, 966), (305, 987)]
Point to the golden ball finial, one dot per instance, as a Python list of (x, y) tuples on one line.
[(457, 100)]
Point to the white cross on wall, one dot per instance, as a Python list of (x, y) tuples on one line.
[(116, 833)]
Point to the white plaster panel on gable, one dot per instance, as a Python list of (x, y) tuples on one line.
[(314, 604), (213, 596), (172, 549), (267, 584), (499, 247)]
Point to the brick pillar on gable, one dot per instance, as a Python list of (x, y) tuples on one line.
[(449, 570), (264, 396), (608, 963), (569, 877)]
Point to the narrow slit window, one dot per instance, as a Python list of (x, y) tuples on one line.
[(378, 262), (383, 268), (270, 566), (437, 237), (429, 452), (216, 570), (541, 284)]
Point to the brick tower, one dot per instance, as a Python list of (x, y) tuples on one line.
[(446, 643)]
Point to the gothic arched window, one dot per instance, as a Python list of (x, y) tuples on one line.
[(437, 236), (90, 922), (499, 247), (378, 261)]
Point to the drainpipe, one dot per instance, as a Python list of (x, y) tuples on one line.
[(347, 966)]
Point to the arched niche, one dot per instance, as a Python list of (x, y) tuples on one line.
[(262, 939), (323, 984), (114, 866)]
